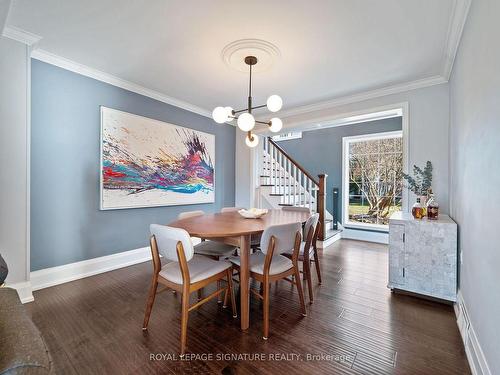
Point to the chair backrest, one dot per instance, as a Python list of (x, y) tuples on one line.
[(296, 209), (284, 236), (185, 215), (167, 239), (230, 209), (311, 223)]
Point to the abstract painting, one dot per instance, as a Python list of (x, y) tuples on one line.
[(146, 163)]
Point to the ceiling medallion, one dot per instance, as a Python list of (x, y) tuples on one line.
[(266, 53), (244, 117)]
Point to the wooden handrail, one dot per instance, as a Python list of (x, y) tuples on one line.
[(294, 162), (321, 193)]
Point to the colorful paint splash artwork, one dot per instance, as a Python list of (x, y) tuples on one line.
[(146, 163)]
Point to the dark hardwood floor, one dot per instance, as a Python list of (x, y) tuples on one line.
[(93, 326)]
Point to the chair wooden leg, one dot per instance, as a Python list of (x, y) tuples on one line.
[(316, 263), (265, 296), (226, 295), (307, 273), (150, 302), (231, 292), (299, 289), (218, 296), (184, 322)]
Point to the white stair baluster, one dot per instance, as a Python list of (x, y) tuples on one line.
[(289, 174), (276, 171), (270, 165), (294, 184), (310, 193)]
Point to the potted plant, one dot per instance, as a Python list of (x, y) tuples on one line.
[(421, 181)]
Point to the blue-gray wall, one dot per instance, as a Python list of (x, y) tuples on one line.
[(66, 223), (475, 178), (320, 151)]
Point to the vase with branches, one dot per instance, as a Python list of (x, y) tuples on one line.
[(420, 183)]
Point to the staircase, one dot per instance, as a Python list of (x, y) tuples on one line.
[(284, 182)]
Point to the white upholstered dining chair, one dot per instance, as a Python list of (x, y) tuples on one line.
[(296, 209), (269, 265), (311, 231), (209, 248), (230, 209), (255, 239), (185, 272)]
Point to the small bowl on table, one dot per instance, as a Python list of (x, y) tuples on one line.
[(253, 213)]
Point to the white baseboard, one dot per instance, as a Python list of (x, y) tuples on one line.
[(475, 355), (23, 289), (74, 271), (363, 235)]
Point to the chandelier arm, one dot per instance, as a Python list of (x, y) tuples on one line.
[(263, 122), (246, 109)]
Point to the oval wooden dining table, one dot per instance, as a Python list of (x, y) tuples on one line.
[(233, 229)]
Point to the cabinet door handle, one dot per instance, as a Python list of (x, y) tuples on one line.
[(403, 237), (403, 272)]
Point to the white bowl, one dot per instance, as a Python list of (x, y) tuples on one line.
[(253, 213)]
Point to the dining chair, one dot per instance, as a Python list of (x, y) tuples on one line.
[(186, 272), (209, 248), (255, 239), (230, 209), (311, 231), (269, 265), (212, 249), (296, 208)]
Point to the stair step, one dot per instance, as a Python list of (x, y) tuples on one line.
[(332, 232), (273, 177)]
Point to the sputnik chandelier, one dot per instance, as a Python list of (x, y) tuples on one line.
[(245, 120)]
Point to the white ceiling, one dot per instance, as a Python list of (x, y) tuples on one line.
[(329, 48)]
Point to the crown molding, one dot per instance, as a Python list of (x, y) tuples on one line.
[(62, 62), (455, 29), (21, 36), (456, 25), (388, 90)]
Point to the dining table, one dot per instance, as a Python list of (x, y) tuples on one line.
[(232, 228)]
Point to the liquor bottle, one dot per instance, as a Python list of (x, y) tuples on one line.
[(417, 210), (432, 208)]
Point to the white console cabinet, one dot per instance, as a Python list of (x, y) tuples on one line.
[(423, 255)]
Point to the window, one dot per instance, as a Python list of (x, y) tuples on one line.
[(373, 179), (287, 136)]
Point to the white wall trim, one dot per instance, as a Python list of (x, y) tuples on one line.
[(78, 270), (389, 90), (28, 161), (23, 289), (87, 71), (455, 29), (475, 355), (21, 36), (364, 235)]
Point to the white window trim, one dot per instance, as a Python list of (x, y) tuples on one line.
[(345, 178)]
